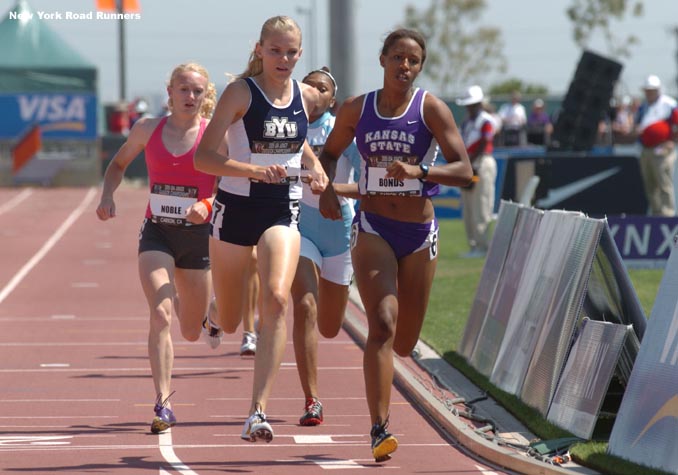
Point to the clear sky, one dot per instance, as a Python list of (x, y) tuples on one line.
[(221, 33)]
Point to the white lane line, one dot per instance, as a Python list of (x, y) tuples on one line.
[(167, 451), (313, 439), (237, 446), (23, 440), (84, 285), (116, 370), (59, 400), (58, 417), (485, 471), (58, 234), (348, 398), (141, 318), (55, 365), (338, 464), (16, 200)]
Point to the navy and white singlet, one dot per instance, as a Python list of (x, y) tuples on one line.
[(266, 135)]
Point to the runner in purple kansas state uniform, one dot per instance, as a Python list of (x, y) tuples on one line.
[(398, 130)]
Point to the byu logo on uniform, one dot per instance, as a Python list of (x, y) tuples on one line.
[(280, 128)]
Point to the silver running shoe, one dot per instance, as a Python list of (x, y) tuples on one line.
[(249, 344), (211, 332), (256, 428)]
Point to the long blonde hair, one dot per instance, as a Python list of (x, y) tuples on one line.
[(276, 24), (210, 99)]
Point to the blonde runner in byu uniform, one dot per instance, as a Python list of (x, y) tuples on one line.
[(264, 114)]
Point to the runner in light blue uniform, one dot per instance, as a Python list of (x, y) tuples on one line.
[(326, 241), (320, 287)]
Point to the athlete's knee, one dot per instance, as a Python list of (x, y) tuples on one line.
[(229, 321), (306, 308), (329, 325), (404, 348), (161, 316), (190, 332), (329, 331), (382, 324), (275, 302)]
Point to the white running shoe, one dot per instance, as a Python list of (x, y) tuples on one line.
[(256, 428), (249, 344), (211, 332)]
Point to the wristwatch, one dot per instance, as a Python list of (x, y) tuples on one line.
[(424, 169)]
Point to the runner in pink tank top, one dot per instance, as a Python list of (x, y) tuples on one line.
[(173, 242), (174, 182)]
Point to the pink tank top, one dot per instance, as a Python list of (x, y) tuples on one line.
[(174, 182)]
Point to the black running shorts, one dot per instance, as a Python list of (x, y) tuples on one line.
[(242, 220), (189, 245)]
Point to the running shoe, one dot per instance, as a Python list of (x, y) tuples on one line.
[(249, 344), (211, 332), (256, 428), (313, 413), (164, 417), (383, 443)]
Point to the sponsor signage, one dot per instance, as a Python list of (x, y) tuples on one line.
[(647, 421), (643, 241), (60, 116)]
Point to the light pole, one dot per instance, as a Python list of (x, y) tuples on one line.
[(310, 45), (121, 51), (342, 45)]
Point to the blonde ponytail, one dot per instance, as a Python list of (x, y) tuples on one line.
[(276, 24)]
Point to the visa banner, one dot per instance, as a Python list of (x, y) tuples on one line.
[(60, 116)]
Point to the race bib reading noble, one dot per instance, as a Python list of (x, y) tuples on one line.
[(170, 202)]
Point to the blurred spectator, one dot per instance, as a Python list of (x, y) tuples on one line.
[(137, 110), (539, 126), (657, 129), (514, 121), (118, 119), (477, 131), (621, 121), (492, 111)]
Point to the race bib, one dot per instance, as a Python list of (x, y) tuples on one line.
[(379, 184), (293, 173), (169, 203)]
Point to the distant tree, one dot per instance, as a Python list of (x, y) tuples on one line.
[(505, 88), (458, 52), (590, 16)]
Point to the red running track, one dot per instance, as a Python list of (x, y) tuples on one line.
[(75, 389)]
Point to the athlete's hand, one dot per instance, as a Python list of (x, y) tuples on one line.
[(400, 170), (271, 174), (106, 208), (318, 178), (329, 204), (197, 213)]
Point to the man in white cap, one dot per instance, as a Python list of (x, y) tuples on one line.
[(657, 129), (477, 130)]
